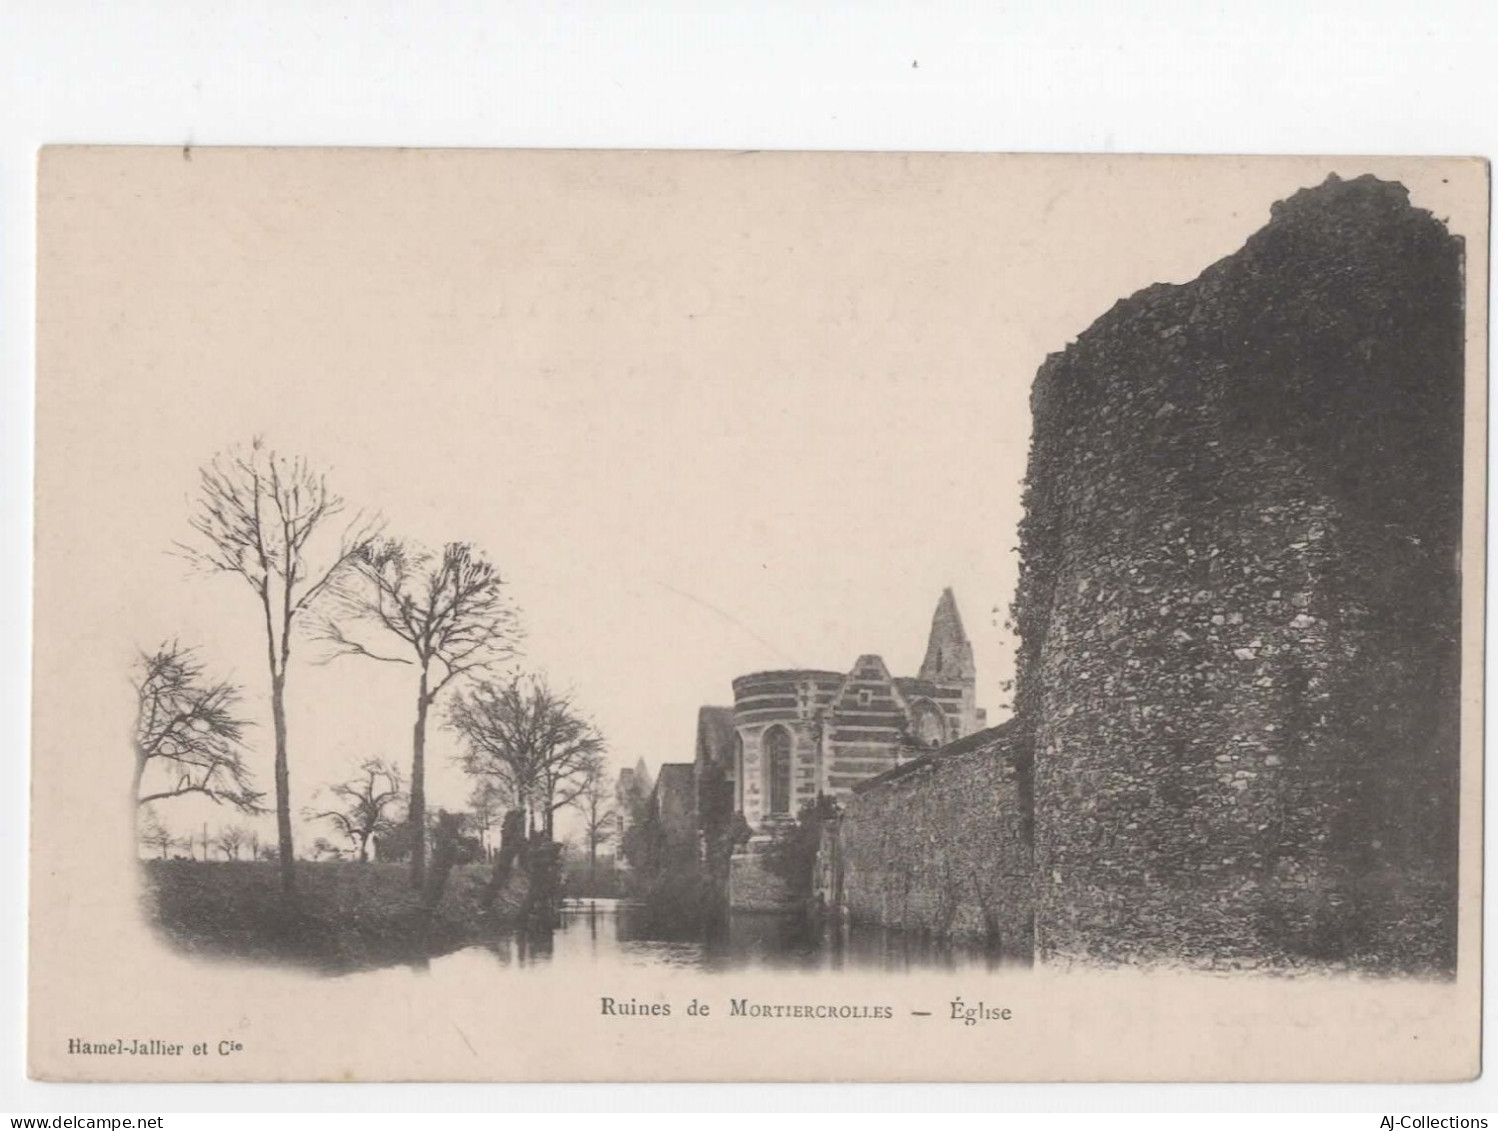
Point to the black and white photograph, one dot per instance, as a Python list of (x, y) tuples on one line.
[(606, 603)]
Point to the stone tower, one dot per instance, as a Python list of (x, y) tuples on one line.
[(1239, 603), (949, 653), (949, 660)]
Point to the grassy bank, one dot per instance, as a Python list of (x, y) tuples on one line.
[(348, 916)]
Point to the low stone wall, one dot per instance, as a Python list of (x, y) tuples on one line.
[(940, 845), (752, 886)]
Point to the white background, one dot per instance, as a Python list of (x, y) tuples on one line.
[(1285, 77)]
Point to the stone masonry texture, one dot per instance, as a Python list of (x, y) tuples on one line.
[(753, 886), (1239, 610), (938, 846)]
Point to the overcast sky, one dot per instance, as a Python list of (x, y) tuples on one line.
[(708, 414)]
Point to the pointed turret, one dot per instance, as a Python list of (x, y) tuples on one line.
[(643, 781), (949, 653)]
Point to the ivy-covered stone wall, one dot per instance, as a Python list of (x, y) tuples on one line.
[(1239, 606)]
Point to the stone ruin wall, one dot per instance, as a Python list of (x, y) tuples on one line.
[(1238, 682), (1238, 603), (1236, 741), (939, 848)]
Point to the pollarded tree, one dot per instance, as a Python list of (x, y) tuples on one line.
[(365, 804), (531, 740), (189, 738), (446, 615), (257, 517)]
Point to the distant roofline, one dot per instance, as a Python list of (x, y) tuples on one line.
[(785, 673)]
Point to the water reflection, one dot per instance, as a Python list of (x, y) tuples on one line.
[(602, 933)]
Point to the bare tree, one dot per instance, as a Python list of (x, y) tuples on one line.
[(154, 835), (529, 739), (487, 803), (365, 802), (256, 517), (188, 735), (445, 614), (230, 840), (595, 803)]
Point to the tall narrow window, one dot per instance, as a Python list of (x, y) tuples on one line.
[(777, 747)]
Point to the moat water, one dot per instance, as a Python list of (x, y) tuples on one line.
[(606, 933)]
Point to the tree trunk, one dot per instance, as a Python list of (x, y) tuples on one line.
[(418, 813), (443, 858), (140, 769), (511, 841), (283, 790)]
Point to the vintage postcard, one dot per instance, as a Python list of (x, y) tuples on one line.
[(528, 615)]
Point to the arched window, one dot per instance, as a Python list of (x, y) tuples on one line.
[(777, 748), (930, 728)]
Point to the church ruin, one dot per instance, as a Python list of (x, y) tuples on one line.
[(1238, 699), (1236, 731), (794, 736)]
